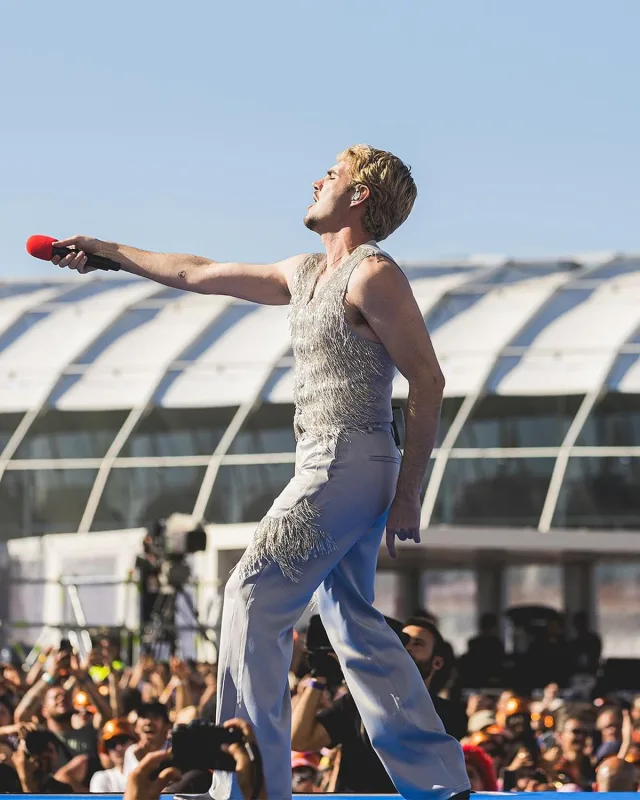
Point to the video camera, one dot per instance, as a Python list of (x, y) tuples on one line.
[(167, 544), (198, 746)]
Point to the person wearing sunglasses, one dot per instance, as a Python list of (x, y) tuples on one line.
[(304, 772), (117, 736)]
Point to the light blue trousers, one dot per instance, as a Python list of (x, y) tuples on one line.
[(349, 484)]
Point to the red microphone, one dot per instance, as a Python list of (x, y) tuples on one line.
[(44, 247)]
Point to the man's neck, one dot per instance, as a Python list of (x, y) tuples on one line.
[(341, 243), (59, 727)]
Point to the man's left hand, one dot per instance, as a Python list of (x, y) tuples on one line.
[(403, 521), (144, 783)]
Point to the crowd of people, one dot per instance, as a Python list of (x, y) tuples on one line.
[(68, 726)]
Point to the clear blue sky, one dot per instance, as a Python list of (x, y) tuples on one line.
[(199, 126)]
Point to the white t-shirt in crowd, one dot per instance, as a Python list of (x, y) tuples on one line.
[(108, 781), (130, 761)]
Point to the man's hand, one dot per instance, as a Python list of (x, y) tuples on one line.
[(144, 784), (26, 766), (245, 768), (77, 260), (180, 669), (403, 521)]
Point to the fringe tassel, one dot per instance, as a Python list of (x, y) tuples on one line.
[(288, 541)]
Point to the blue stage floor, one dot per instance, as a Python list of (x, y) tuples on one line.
[(478, 796)]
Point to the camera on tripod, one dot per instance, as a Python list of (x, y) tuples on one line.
[(169, 542), (164, 574)]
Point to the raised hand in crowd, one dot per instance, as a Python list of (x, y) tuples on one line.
[(246, 766), (152, 775)]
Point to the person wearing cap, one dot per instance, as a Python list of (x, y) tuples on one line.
[(481, 720), (152, 729), (304, 772), (117, 736)]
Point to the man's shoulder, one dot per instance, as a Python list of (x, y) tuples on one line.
[(377, 272)]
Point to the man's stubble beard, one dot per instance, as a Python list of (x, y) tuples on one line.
[(310, 223), (425, 668), (62, 719)]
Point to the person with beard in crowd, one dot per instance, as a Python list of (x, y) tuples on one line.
[(609, 723), (574, 765), (360, 769), (434, 659), (58, 710), (53, 692), (152, 729), (117, 736)]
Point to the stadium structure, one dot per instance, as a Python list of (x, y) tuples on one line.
[(122, 401)]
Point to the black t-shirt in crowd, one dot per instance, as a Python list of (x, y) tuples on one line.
[(52, 786), (361, 770), (81, 741)]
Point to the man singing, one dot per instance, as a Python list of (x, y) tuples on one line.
[(354, 321)]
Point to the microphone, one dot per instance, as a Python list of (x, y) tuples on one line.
[(44, 247)]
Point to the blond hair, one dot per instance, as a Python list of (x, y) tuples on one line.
[(391, 187)]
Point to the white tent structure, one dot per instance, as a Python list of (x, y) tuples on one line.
[(122, 401)]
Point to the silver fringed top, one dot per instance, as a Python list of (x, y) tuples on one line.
[(342, 381)]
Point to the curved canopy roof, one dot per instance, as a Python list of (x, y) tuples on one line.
[(122, 401), (518, 328)]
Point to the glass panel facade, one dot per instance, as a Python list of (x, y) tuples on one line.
[(269, 429), (71, 434), (450, 408), (519, 422), (139, 496), (178, 432), (600, 493), (618, 601), (492, 491), (245, 492), (99, 600), (26, 599), (8, 424), (388, 597), (34, 502), (450, 595), (526, 584), (613, 422)]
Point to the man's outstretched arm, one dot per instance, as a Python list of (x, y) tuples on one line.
[(383, 295), (260, 283)]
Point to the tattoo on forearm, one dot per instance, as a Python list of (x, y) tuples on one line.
[(182, 274)]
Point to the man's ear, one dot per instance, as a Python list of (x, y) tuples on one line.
[(438, 663), (360, 194)]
